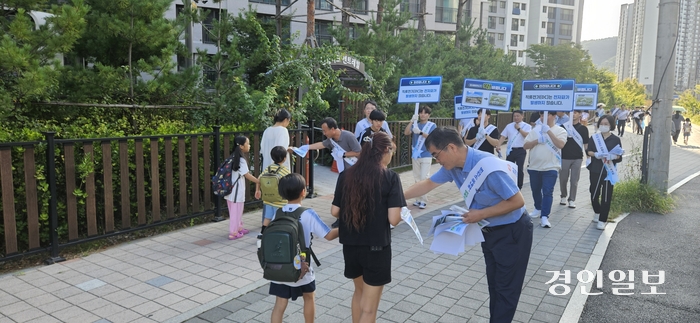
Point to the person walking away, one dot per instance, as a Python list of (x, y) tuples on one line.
[(235, 201), (419, 128), (508, 236), (377, 118), (603, 169), (545, 142), (687, 130), (486, 138), (637, 118), (571, 159), (272, 200), (368, 199), (622, 121), (292, 187), (365, 122), (276, 135), (677, 119), (516, 132)]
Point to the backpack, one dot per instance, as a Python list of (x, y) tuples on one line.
[(221, 181), (282, 245), (269, 181)]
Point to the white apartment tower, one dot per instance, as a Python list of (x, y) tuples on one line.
[(623, 61), (688, 46)]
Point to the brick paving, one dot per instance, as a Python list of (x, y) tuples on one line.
[(198, 275)]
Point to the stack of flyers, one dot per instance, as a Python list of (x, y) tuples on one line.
[(451, 234)]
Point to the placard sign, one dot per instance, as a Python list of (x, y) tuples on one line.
[(487, 94), (462, 111), (420, 89), (548, 95), (586, 96)]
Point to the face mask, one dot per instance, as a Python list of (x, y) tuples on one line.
[(604, 128)]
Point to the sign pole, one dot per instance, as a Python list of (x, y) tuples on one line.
[(415, 112), (544, 119)]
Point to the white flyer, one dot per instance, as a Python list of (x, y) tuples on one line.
[(408, 218)]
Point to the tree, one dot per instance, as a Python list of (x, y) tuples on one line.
[(29, 68), (606, 81), (563, 61), (689, 100), (629, 92)]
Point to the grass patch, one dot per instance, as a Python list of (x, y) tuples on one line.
[(633, 196)]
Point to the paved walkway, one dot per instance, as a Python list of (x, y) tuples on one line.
[(197, 275)]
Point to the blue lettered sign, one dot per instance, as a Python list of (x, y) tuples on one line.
[(548, 95), (586, 96), (487, 94), (463, 111), (420, 89)]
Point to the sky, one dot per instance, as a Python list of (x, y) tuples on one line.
[(601, 18)]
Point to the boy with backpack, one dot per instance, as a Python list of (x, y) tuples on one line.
[(268, 184), (285, 249)]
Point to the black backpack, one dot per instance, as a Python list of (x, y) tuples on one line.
[(221, 181), (282, 245)]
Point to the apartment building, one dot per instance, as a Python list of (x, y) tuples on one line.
[(636, 51)]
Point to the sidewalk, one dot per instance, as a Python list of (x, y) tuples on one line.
[(197, 275)]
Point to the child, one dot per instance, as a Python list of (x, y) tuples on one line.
[(279, 156), (687, 129), (293, 188), (236, 199)]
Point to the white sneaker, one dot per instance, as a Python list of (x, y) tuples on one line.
[(572, 204), (416, 203), (600, 225), (535, 214), (422, 205), (595, 218), (544, 222), (562, 201)]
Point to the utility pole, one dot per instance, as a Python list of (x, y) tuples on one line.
[(664, 75)]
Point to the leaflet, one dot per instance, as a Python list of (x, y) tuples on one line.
[(408, 218), (301, 151)]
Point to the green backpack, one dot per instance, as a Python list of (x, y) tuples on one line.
[(269, 181), (282, 245)]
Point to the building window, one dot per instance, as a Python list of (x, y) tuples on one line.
[(323, 5), (565, 29), (549, 41), (544, 9), (522, 22), (516, 5), (521, 38), (270, 25), (568, 2), (493, 6), (514, 24), (564, 41), (272, 2), (541, 40), (323, 32), (550, 28), (552, 14), (500, 36), (553, 1), (210, 16), (359, 7), (412, 6), (501, 20), (523, 6), (520, 53), (503, 4), (492, 38), (446, 12), (512, 52), (355, 31), (567, 15), (492, 22), (513, 40), (544, 24)]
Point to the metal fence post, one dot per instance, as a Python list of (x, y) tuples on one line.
[(53, 212), (217, 162)]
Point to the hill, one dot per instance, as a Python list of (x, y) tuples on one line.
[(602, 51)]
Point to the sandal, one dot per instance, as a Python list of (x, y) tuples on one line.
[(244, 231), (235, 236)]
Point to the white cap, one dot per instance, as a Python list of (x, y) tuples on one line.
[(601, 105)]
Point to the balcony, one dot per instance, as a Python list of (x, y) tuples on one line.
[(446, 15)]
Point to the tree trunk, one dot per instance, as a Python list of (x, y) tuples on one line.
[(460, 14), (131, 72), (421, 17), (278, 14), (310, 23), (346, 17), (380, 11)]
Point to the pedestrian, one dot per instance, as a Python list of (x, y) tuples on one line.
[(419, 128), (687, 130), (377, 117), (584, 118), (236, 199), (603, 169), (276, 135), (599, 112), (516, 132), (365, 122), (637, 118), (677, 119), (483, 138), (562, 118), (545, 142), (534, 118), (622, 121), (571, 159), (292, 187), (368, 199), (272, 201), (508, 236), (464, 126)]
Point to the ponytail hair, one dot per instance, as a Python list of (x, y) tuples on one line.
[(363, 180), (237, 153)]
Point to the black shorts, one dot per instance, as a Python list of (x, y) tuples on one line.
[(373, 266), (284, 291)]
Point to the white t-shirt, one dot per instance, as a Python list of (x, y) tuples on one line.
[(514, 135), (542, 158), (240, 198), (272, 137), (312, 223), (622, 115), (364, 124)]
